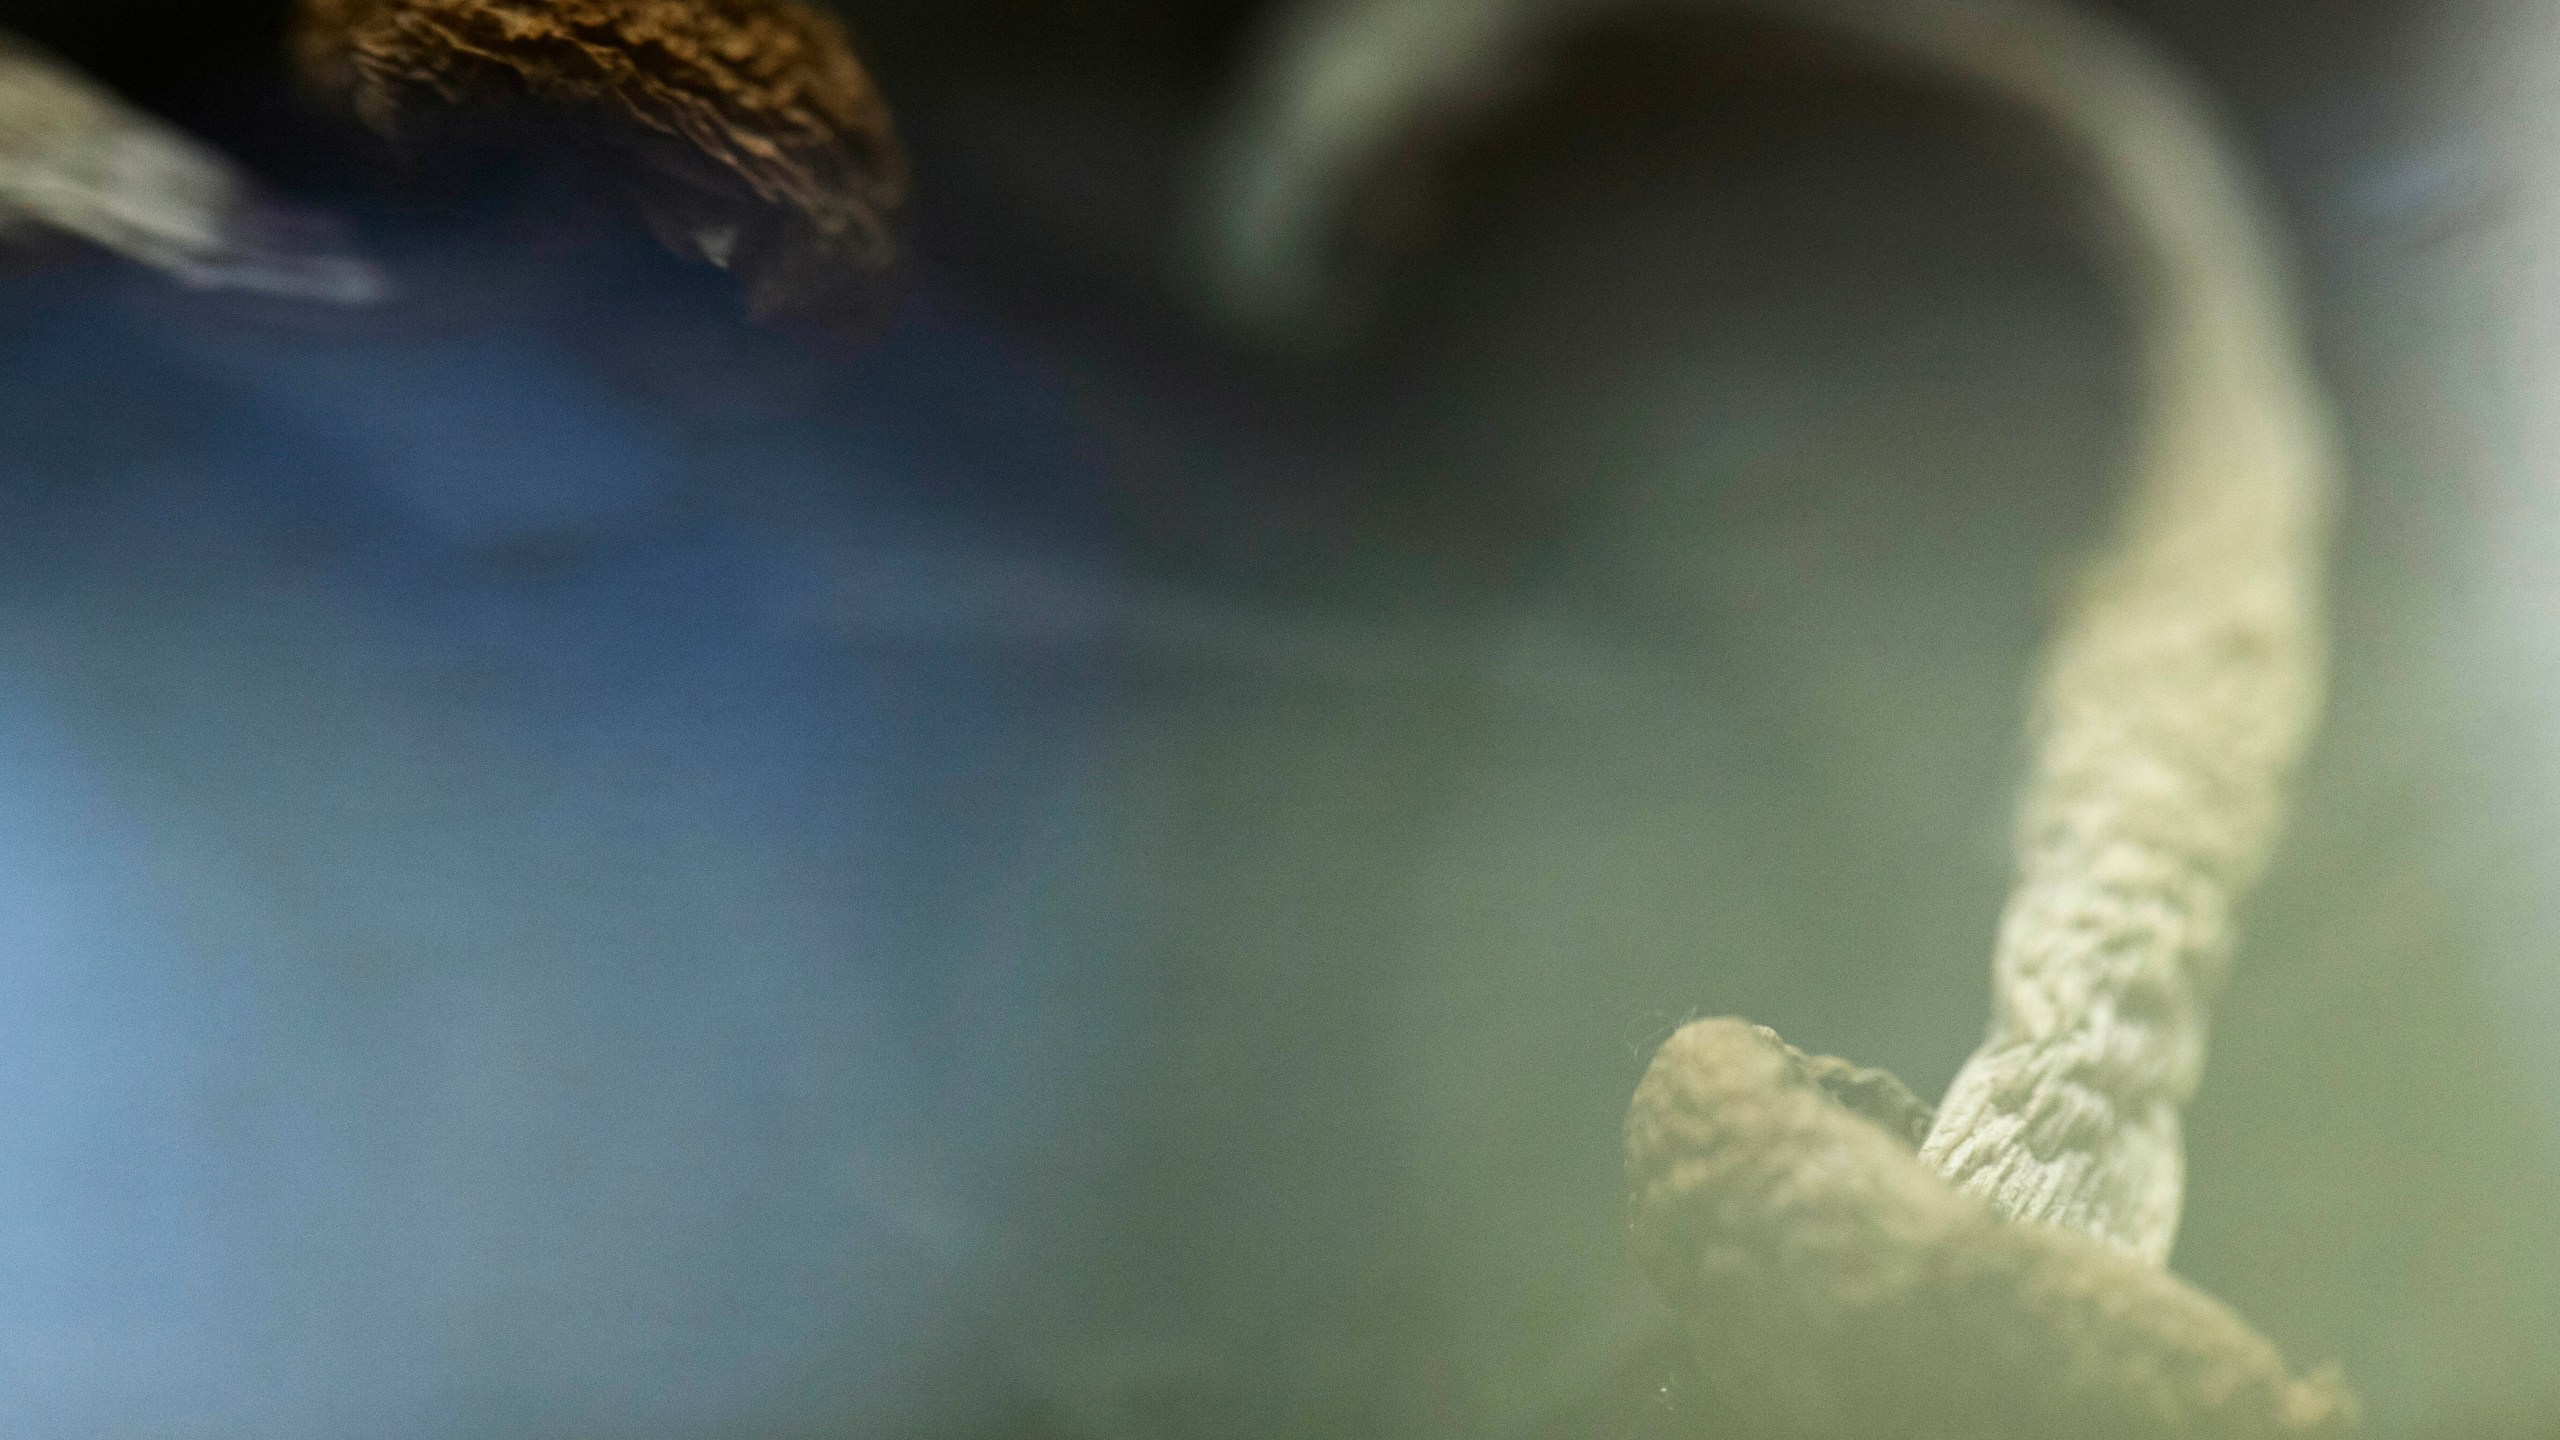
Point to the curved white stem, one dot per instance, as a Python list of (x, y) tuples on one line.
[(2179, 690)]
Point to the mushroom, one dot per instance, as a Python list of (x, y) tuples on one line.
[(1818, 1267), (79, 164), (1833, 1285), (747, 131)]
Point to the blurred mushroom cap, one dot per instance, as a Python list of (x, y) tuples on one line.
[(748, 131)]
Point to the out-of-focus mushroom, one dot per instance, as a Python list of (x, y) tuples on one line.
[(78, 164), (748, 131)]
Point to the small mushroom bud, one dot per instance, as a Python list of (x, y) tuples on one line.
[(747, 131)]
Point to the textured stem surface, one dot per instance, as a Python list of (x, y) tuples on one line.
[(2181, 685), (1835, 1287), (1833, 1283)]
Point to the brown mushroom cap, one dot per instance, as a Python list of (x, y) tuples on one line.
[(748, 130)]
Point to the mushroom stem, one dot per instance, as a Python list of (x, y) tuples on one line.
[(78, 163), (1831, 1283), (2180, 689)]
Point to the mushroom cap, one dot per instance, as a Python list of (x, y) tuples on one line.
[(747, 130)]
